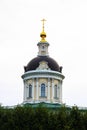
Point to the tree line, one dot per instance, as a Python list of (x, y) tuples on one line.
[(41, 118)]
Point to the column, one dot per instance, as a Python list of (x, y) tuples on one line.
[(58, 92), (24, 96), (33, 89), (26, 90), (52, 89), (60, 85), (37, 88), (48, 92)]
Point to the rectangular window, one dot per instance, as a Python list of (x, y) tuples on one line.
[(55, 91), (30, 91), (42, 90)]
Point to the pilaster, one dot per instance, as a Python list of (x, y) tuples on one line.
[(52, 89), (37, 89), (48, 92), (33, 89)]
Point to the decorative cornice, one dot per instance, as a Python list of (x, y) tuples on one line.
[(43, 74), (46, 43)]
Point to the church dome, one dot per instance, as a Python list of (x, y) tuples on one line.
[(34, 63)]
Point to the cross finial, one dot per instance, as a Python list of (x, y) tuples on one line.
[(43, 20)]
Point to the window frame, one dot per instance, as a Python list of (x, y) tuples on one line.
[(55, 91), (30, 91), (43, 90)]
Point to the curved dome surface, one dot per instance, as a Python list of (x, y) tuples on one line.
[(34, 63)]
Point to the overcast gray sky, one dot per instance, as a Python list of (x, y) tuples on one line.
[(66, 29)]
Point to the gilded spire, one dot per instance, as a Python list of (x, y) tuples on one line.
[(43, 34), (43, 20)]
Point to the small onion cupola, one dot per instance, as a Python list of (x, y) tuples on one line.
[(43, 34)]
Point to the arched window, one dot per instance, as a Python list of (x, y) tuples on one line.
[(30, 91), (55, 91), (43, 90)]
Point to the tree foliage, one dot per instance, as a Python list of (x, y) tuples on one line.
[(41, 118)]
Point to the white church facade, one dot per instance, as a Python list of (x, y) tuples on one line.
[(43, 76)]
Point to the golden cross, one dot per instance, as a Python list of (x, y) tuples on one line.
[(43, 20)]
